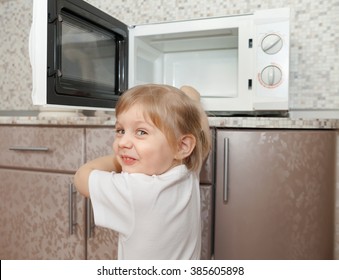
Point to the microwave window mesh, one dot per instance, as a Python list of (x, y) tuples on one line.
[(87, 55)]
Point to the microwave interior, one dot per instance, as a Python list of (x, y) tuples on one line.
[(206, 60)]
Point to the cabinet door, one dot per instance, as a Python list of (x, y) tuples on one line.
[(35, 217), (102, 243), (275, 194), (207, 212)]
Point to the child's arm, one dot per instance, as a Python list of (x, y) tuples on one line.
[(106, 163)]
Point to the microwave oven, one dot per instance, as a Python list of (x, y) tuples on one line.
[(83, 58)]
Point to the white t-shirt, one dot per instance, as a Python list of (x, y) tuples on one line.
[(157, 217)]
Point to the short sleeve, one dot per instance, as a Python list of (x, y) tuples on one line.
[(112, 201)]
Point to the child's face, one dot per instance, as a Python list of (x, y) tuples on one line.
[(140, 146)]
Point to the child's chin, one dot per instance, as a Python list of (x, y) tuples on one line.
[(129, 169)]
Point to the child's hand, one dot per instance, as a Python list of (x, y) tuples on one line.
[(106, 163), (191, 92)]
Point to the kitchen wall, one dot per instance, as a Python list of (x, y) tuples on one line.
[(314, 67)]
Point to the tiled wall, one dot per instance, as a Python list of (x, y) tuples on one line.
[(314, 67), (15, 71)]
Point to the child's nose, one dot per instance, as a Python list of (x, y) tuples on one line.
[(125, 141)]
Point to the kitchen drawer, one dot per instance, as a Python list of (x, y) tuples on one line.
[(49, 148)]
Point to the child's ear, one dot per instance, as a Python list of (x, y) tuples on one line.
[(185, 146)]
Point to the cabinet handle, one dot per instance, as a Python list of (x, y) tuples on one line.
[(89, 218), (72, 219), (225, 179), (28, 149)]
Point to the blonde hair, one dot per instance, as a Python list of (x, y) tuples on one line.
[(175, 114)]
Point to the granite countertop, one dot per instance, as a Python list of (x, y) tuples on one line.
[(227, 122)]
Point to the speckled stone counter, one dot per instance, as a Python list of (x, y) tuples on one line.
[(232, 122), (263, 122)]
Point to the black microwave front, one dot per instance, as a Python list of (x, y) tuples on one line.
[(79, 55)]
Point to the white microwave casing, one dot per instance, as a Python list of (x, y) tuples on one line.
[(238, 63)]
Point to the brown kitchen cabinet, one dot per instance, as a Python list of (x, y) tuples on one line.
[(41, 215), (275, 194), (35, 217)]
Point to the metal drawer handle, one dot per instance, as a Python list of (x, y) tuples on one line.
[(28, 149), (71, 212), (89, 219), (226, 145)]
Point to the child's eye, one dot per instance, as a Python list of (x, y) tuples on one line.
[(141, 132), (120, 131)]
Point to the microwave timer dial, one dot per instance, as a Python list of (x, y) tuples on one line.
[(272, 44), (271, 76)]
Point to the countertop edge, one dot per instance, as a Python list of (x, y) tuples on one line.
[(221, 122)]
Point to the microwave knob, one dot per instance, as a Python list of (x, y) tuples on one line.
[(271, 44), (271, 76)]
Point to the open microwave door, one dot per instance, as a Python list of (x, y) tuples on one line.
[(79, 55), (212, 55)]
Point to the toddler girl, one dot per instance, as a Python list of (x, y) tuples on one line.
[(148, 190)]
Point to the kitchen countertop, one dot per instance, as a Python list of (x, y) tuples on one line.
[(227, 122)]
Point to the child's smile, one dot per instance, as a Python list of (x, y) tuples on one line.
[(128, 160)]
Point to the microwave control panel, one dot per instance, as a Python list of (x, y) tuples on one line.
[(272, 60)]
